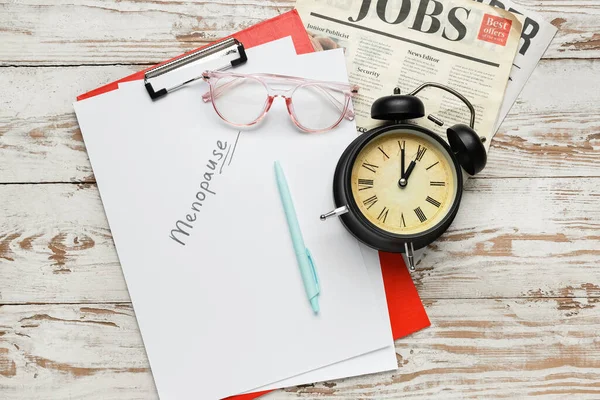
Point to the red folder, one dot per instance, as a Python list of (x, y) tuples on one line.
[(407, 314)]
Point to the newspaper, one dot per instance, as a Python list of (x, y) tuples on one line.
[(535, 39), (403, 43)]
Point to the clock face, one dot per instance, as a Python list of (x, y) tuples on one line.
[(405, 202)]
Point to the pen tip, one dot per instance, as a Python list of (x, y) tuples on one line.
[(314, 302)]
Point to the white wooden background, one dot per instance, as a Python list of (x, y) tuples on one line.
[(512, 290)]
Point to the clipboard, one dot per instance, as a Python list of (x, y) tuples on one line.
[(222, 55), (407, 314), (286, 24)]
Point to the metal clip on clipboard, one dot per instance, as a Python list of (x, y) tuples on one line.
[(176, 73)]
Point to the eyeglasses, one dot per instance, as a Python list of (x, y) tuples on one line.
[(245, 99)]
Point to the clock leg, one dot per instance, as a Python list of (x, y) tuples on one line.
[(337, 212), (410, 255)]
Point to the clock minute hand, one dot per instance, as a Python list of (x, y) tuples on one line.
[(405, 174), (402, 156)]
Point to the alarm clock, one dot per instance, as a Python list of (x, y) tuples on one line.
[(398, 187)]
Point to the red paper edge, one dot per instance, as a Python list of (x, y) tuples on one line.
[(286, 24), (407, 314)]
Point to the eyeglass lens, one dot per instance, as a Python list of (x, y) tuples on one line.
[(318, 107), (242, 100)]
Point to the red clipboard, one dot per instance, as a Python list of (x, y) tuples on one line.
[(407, 314), (287, 24)]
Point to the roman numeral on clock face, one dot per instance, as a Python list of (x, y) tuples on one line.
[(434, 183), (370, 167), (433, 201), (364, 184), (420, 214), (421, 152), (402, 221), (381, 150), (383, 215), (370, 201), (432, 165)]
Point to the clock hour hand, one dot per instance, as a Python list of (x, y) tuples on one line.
[(404, 180), (409, 170), (405, 174)]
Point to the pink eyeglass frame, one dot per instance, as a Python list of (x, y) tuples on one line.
[(349, 91)]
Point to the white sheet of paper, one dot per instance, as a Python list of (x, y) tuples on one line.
[(151, 161), (376, 361)]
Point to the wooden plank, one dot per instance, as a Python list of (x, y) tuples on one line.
[(55, 241), (108, 32), (518, 237), (578, 26), (74, 352), (533, 238), (39, 134), (511, 238), (511, 348), (553, 130)]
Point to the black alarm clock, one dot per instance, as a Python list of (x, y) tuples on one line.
[(398, 187)]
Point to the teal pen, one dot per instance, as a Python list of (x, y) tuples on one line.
[(305, 260)]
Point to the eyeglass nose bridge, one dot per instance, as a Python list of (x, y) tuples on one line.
[(284, 96), (280, 91), (288, 104), (271, 99)]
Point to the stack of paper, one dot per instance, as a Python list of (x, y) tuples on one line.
[(205, 249), (483, 51)]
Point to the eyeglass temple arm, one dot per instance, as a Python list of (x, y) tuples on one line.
[(349, 115), (206, 97)]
